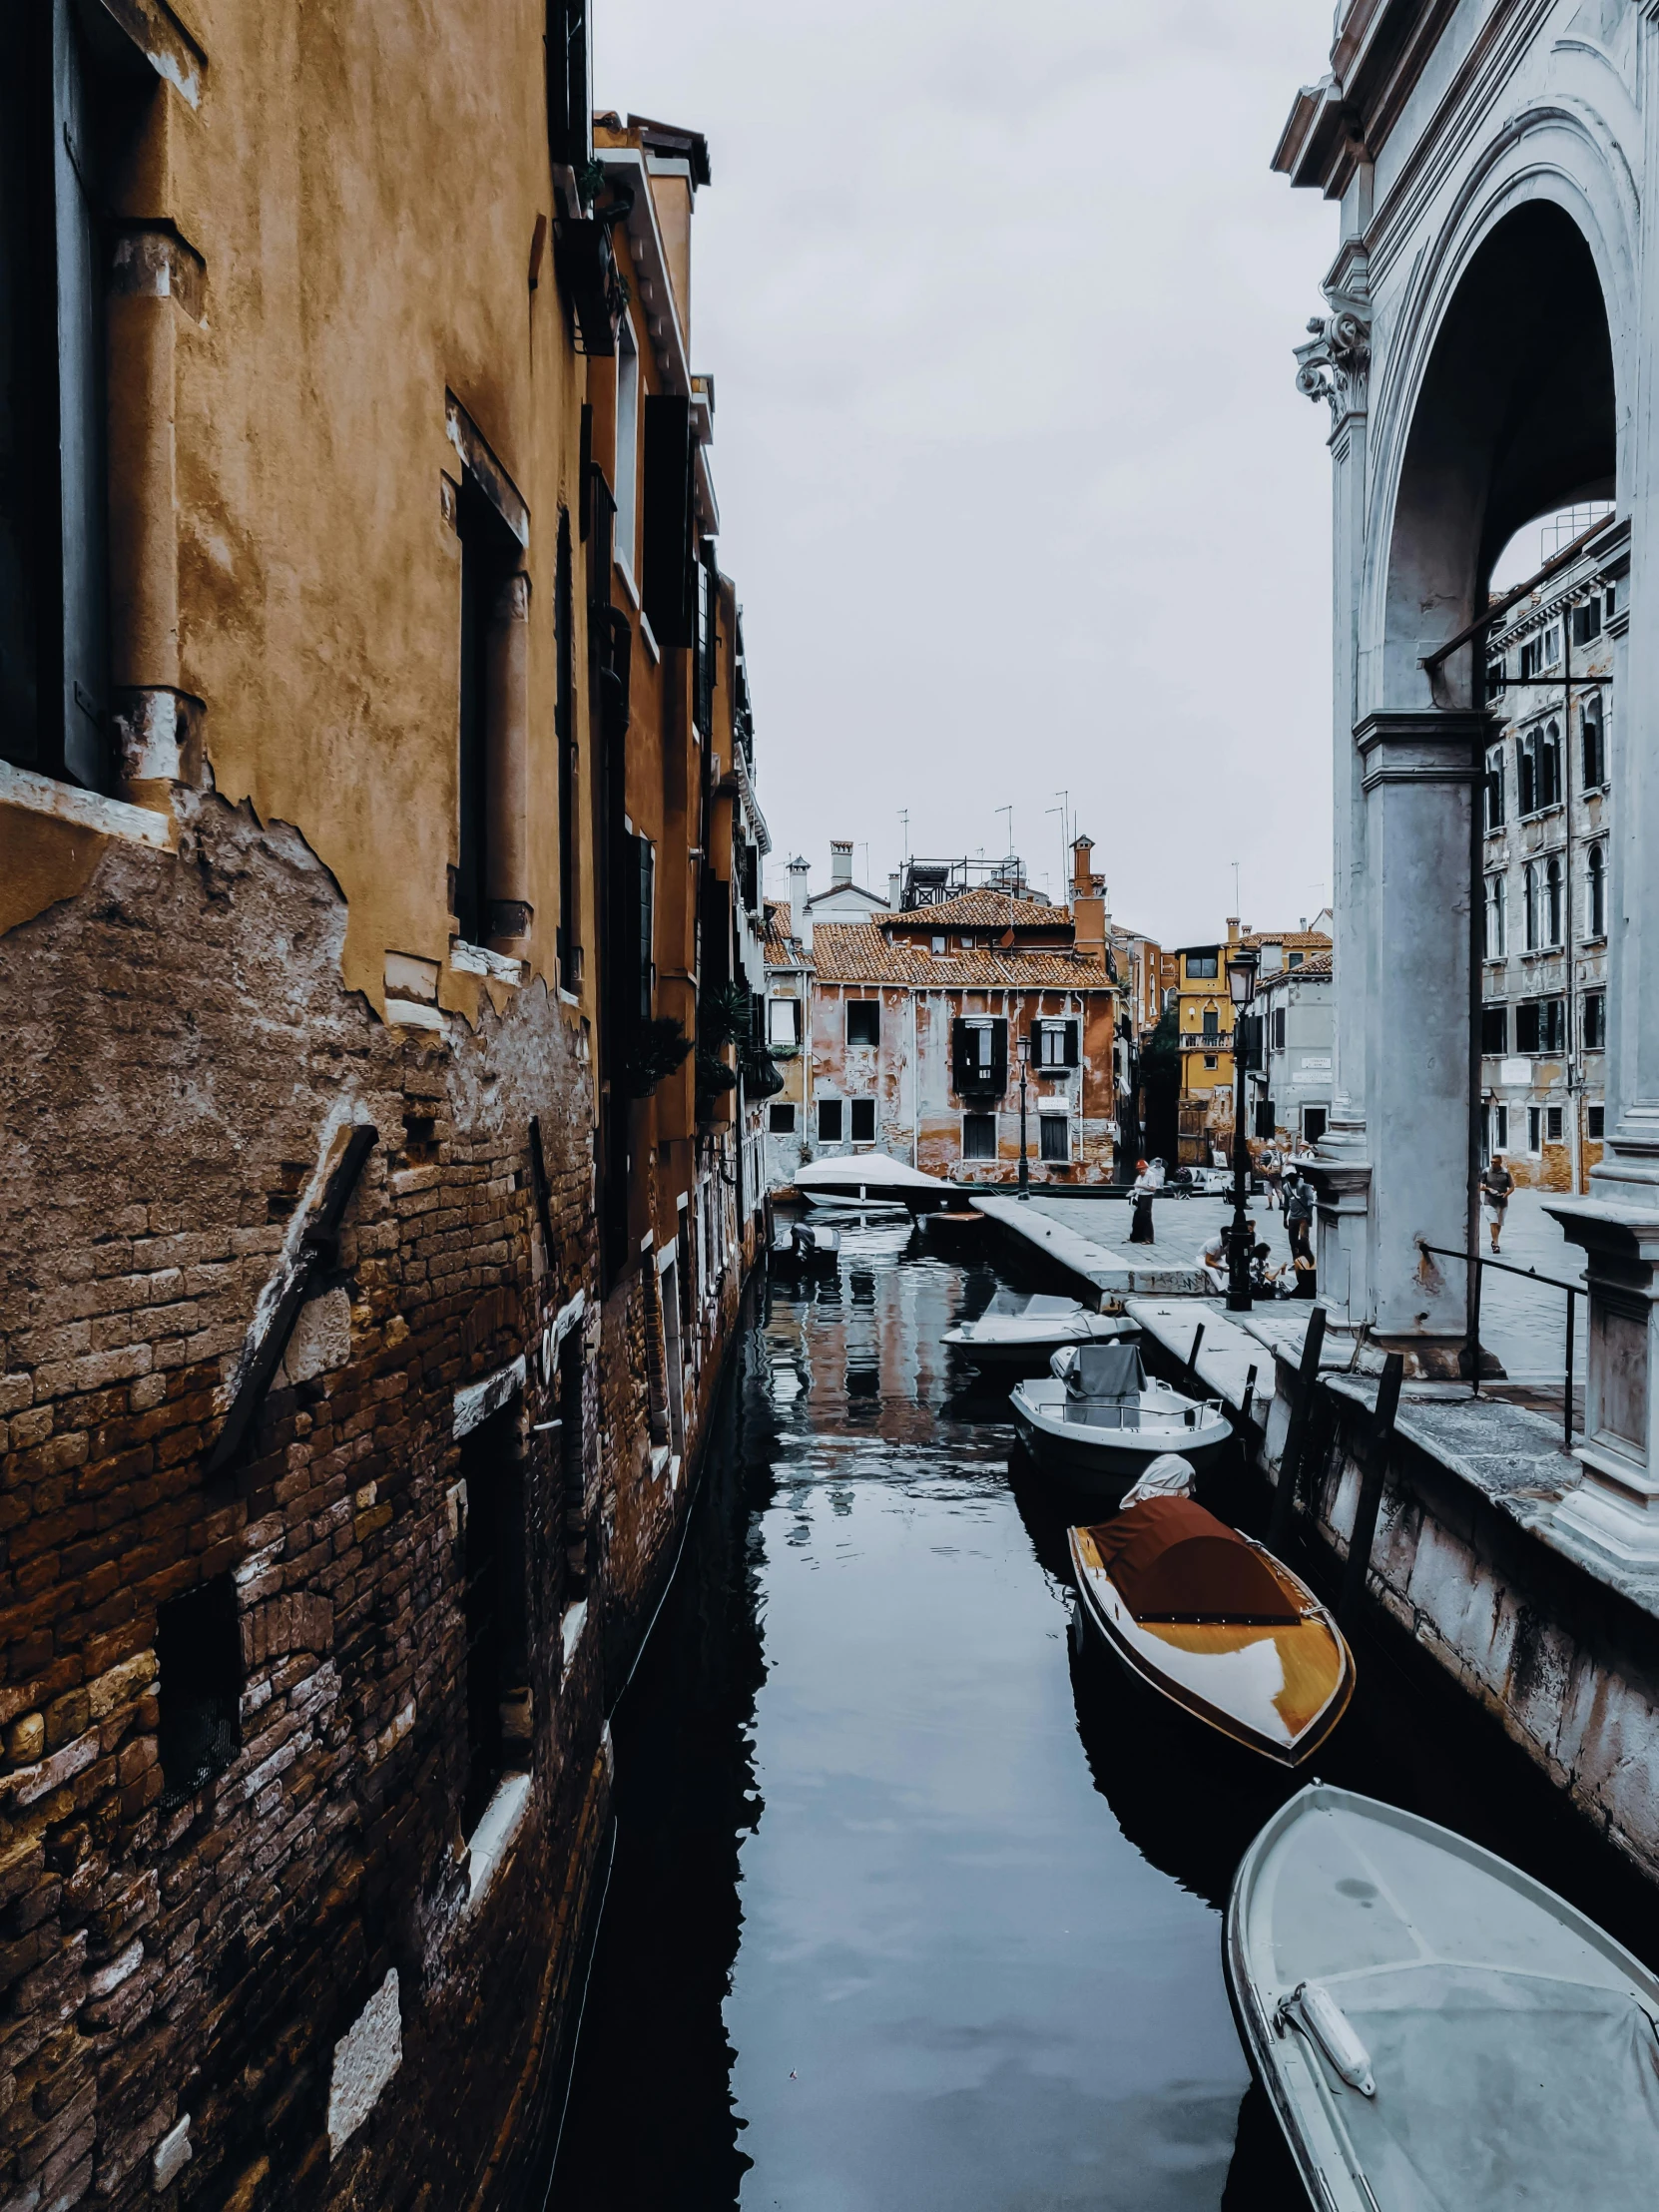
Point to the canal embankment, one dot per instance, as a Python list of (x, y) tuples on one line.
[(1470, 1560)]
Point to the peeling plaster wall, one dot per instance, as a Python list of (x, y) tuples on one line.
[(182, 1035)]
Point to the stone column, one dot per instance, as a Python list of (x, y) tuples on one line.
[(155, 278), (1334, 365), (1418, 772), (506, 769)]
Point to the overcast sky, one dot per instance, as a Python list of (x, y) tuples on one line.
[(1015, 483)]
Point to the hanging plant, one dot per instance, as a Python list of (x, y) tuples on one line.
[(658, 1048), (724, 1015)]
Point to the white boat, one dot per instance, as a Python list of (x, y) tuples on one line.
[(865, 1180), (1097, 1420), (1015, 1329), (1215, 1623), (1435, 2031), (806, 1243)]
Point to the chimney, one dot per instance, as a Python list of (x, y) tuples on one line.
[(1088, 905), (1232, 928), (895, 892), (840, 860), (800, 916)]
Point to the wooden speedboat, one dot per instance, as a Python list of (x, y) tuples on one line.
[(1098, 1421), (1016, 1329), (865, 1180), (1215, 1623), (1434, 2028)]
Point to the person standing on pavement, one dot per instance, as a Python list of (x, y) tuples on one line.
[(1273, 1174), (1299, 1213), (1495, 1185), (1141, 1192)]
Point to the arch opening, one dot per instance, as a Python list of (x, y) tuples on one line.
[(1515, 419)]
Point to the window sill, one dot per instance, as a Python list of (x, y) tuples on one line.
[(628, 584), (490, 1844), (570, 1625), (33, 794)]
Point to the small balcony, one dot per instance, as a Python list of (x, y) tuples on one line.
[(1197, 1041)]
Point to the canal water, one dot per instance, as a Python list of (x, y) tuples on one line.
[(915, 1903)]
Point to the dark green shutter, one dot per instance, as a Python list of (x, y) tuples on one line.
[(80, 412), (668, 597)]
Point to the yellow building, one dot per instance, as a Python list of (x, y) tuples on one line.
[(1206, 1025)]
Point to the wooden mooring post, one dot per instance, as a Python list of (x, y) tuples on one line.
[(1295, 1436), (1371, 1489)]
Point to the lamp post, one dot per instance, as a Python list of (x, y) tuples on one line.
[(1241, 989), (1022, 1044)]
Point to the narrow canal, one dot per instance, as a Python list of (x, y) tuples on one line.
[(914, 1903)]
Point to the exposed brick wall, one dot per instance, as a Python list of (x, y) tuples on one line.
[(182, 1047)]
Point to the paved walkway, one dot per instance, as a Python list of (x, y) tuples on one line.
[(1523, 1323)]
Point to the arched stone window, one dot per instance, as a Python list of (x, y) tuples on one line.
[(1595, 905), (1552, 900)]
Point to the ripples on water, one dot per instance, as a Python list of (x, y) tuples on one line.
[(912, 1905)]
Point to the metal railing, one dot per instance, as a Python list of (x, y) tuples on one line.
[(1197, 1040), (1574, 1291)]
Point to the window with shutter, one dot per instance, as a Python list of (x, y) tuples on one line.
[(569, 83), (648, 922), (54, 631), (564, 736), (667, 585), (978, 1136), (1494, 1028), (861, 1114), (1054, 1138), (1527, 1027)]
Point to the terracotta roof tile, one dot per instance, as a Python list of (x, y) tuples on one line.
[(782, 948), (859, 952)]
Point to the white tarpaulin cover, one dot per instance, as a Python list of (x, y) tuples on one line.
[(1511, 2042), (865, 1170)]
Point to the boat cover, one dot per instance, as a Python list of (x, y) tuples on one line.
[(1504, 2088), (1110, 1370), (1169, 1476), (1511, 2043), (866, 1171), (1172, 1561)]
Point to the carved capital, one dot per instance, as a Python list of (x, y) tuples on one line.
[(1333, 364)]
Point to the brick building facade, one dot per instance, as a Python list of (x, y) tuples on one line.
[(378, 885)]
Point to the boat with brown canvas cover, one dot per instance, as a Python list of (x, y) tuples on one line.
[(1216, 1623)]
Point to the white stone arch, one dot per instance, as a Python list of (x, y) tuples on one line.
[(1560, 153)]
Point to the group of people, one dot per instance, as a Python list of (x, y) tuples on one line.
[(1285, 1189)]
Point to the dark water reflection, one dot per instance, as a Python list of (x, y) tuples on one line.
[(915, 1904)]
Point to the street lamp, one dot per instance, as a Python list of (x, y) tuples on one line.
[(1022, 1045), (1241, 989)]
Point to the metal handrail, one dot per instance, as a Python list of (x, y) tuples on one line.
[(1527, 1275)]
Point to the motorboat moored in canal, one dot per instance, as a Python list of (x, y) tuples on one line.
[(1097, 1421), (1016, 1330), (1432, 2025), (864, 1179), (1215, 1623)]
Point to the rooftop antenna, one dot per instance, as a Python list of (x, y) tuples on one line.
[(1009, 811), (864, 848), (1063, 811), (904, 825), (1236, 906)]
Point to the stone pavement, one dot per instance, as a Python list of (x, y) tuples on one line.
[(1523, 1324)]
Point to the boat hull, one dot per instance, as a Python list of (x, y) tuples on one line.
[(1279, 1691), (1104, 1463), (1541, 2091)]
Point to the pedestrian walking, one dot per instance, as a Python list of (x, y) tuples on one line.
[(1298, 1214), (1495, 1185), (1141, 1190), (1272, 1175)]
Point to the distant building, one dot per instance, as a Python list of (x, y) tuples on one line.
[(1548, 818), (911, 1023), (1288, 1098), (843, 900), (1206, 1024)]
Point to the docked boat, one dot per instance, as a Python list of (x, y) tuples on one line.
[(1432, 2028), (1098, 1421), (862, 1181), (1215, 1623), (1016, 1330), (807, 1244)]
